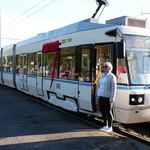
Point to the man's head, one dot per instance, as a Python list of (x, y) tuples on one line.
[(107, 67)]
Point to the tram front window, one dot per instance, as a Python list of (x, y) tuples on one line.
[(139, 68)]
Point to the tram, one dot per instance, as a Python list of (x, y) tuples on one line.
[(62, 66)]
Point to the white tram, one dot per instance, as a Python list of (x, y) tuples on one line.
[(62, 66)]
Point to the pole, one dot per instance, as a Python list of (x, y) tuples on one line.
[(0, 25), (99, 3)]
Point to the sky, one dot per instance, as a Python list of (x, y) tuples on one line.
[(24, 19)]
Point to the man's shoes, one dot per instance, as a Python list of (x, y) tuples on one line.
[(109, 129), (106, 129), (103, 128)]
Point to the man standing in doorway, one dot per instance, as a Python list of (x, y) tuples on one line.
[(106, 96)]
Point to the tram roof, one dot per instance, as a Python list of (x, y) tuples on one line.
[(10, 46), (72, 28)]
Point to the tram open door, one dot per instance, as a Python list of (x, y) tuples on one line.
[(103, 54), (90, 66)]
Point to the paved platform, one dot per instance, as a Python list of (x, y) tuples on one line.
[(26, 125)]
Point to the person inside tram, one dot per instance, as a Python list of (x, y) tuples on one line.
[(65, 72), (20, 69)]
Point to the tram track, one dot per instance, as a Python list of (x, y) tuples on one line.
[(89, 119), (125, 133)]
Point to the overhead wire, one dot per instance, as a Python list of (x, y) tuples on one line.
[(28, 16), (22, 14), (142, 7), (142, 11)]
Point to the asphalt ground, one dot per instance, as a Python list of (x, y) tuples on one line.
[(27, 125)]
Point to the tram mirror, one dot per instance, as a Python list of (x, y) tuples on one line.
[(120, 49)]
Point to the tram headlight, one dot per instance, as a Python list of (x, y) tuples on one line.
[(140, 99), (136, 99), (133, 99)]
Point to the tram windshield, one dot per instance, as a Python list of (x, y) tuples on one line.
[(138, 60)]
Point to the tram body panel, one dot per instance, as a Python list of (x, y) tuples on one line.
[(84, 37), (20, 82), (65, 87), (129, 110), (69, 94), (85, 97), (63, 93), (8, 65), (128, 117), (8, 79), (17, 81), (31, 83), (78, 38)]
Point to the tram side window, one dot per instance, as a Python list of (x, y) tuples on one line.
[(122, 72), (7, 64), (67, 64), (19, 68), (50, 68), (84, 74), (31, 63)]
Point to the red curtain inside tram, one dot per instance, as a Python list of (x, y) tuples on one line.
[(50, 47)]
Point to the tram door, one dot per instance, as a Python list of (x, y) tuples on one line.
[(23, 72), (103, 54), (39, 74), (85, 78)]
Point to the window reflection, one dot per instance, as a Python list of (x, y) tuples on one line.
[(122, 77), (139, 68), (31, 63), (50, 65), (7, 64), (84, 75), (67, 63)]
